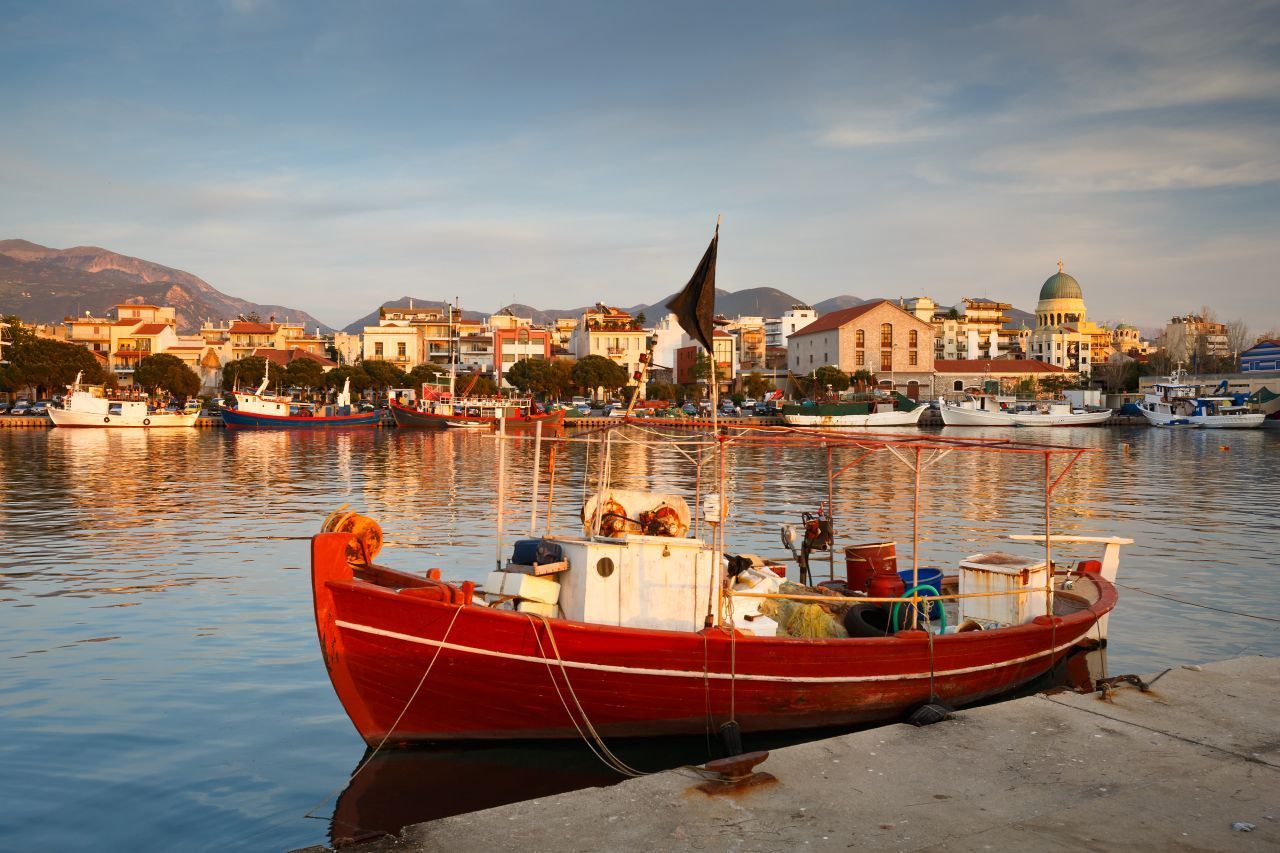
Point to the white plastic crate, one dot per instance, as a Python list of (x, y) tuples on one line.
[(1022, 578)]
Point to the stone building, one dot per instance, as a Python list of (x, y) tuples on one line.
[(890, 342)]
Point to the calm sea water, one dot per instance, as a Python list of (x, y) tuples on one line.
[(162, 686)]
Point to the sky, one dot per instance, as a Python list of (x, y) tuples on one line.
[(329, 156)]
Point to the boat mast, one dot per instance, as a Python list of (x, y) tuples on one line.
[(453, 360)]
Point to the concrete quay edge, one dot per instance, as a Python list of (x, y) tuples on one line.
[(1172, 769)]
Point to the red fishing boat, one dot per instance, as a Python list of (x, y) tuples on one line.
[(651, 634), (447, 412)]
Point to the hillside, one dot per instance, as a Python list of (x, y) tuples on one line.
[(44, 285), (371, 319)]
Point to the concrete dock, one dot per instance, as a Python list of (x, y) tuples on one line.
[(1192, 765)]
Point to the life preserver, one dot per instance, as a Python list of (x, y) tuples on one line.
[(146, 421)]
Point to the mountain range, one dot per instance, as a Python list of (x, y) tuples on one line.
[(45, 285)]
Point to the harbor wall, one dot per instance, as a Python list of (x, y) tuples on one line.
[(1191, 764)]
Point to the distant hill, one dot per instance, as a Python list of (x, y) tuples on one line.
[(752, 302), (838, 303), (371, 319), (44, 285)]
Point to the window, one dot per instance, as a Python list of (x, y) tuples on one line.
[(860, 338), (886, 336), (860, 358), (811, 358), (401, 349), (886, 360), (377, 348), (958, 385), (913, 357), (913, 340)]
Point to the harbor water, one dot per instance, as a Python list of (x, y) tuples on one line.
[(162, 685)]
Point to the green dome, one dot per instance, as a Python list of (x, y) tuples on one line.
[(1061, 286)]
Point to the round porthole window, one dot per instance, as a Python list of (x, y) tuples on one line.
[(604, 567)]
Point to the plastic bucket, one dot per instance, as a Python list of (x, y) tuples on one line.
[(863, 561), (928, 577)]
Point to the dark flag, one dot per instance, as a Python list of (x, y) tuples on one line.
[(695, 306)]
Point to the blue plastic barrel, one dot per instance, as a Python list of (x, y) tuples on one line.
[(932, 577)]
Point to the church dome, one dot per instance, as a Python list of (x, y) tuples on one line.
[(1061, 286)]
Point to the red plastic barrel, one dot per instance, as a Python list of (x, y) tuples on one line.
[(863, 561)]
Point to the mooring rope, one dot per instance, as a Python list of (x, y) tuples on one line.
[(599, 748), (403, 711), (1198, 604)]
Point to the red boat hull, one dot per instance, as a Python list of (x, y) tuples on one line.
[(407, 417), (496, 674)]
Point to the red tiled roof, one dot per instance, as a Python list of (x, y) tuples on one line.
[(127, 321), (994, 365), (150, 329), (244, 327), (282, 357), (836, 319)]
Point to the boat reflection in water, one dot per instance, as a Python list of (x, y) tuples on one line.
[(400, 787)]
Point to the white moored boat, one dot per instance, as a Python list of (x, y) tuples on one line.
[(865, 410), (89, 406), (1180, 403), (990, 410)]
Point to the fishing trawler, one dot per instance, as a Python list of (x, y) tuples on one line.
[(260, 410), (1179, 402), (994, 410), (444, 411), (91, 406), (863, 410)]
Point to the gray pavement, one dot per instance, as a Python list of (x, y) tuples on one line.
[(1168, 770)]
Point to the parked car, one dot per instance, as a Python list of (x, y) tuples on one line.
[(20, 408), (689, 409), (39, 407), (749, 403)]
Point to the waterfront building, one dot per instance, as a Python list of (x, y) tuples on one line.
[(1128, 340), (562, 332), (512, 345), (407, 337), (1194, 335), (953, 378), (92, 333), (880, 337), (668, 337), (285, 357), (974, 329), (244, 336), (349, 347), (475, 351), (778, 331), (611, 333), (751, 335), (1063, 335), (725, 347), (1264, 355)]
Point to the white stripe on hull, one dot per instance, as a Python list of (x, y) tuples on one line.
[(872, 420), (684, 673)]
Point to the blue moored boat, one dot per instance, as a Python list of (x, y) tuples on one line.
[(257, 410)]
